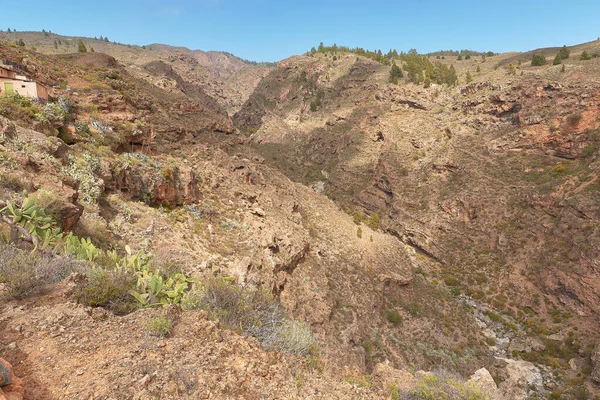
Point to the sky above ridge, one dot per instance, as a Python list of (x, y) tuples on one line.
[(268, 30)]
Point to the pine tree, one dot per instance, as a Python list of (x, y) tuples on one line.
[(557, 59), (395, 73), (585, 56), (9, 31), (564, 53), (478, 69), (81, 47), (538, 59), (469, 78), (20, 43), (563, 68)]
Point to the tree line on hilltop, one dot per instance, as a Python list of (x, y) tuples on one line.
[(418, 68)]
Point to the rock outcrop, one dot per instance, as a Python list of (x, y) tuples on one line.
[(10, 385)]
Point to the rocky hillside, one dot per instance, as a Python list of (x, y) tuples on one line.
[(389, 228), (225, 77), (492, 183)]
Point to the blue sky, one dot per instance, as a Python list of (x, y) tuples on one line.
[(267, 30)]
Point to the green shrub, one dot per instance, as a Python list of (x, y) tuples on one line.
[(394, 317), (42, 228), (574, 119), (413, 307), (373, 222), (442, 385), (160, 326), (451, 281), (18, 108), (589, 149), (109, 289)]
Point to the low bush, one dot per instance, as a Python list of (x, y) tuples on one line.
[(393, 317), (252, 313), (24, 273), (11, 183), (160, 326), (109, 289), (444, 385), (18, 108), (574, 119)]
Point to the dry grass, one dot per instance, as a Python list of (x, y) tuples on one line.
[(23, 273), (252, 313)]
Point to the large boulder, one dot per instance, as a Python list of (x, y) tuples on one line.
[(523, 376), (482, 379), (387, 376)]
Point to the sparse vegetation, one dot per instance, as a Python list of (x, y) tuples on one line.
[(444, 385), (24, 273), (83, 169), (160, 326), (393, 317), (250, 312), (108, 288), (574, 119)]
